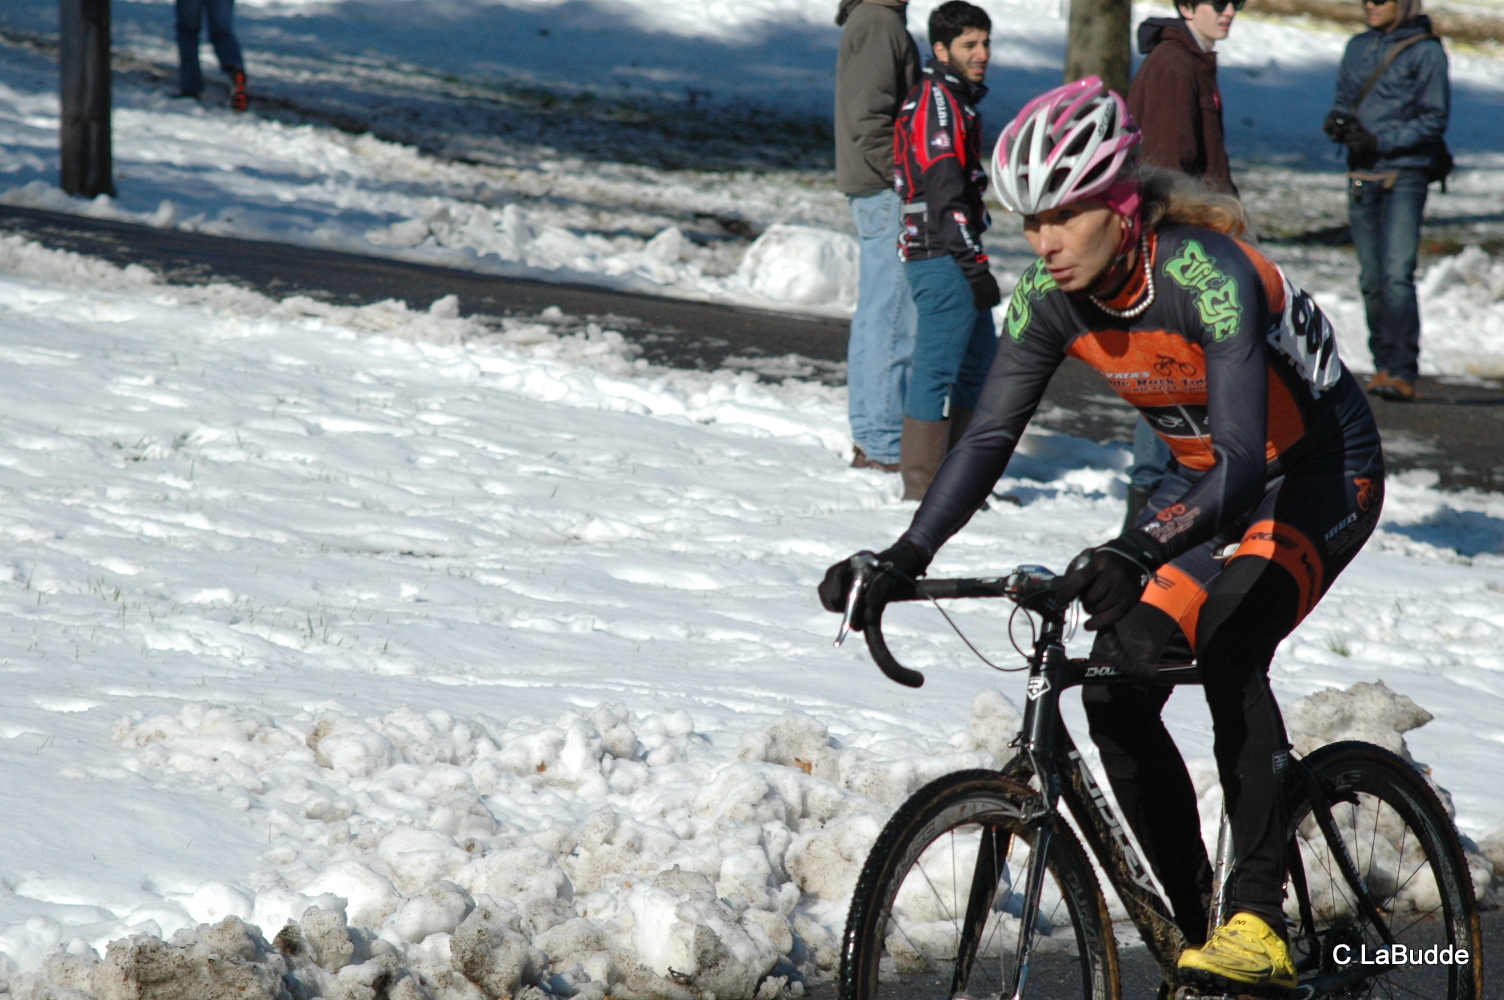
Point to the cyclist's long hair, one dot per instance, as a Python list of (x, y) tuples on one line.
[(1174, 198)]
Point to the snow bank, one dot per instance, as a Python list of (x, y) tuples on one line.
[(598, 852), (803, 266), (1462, 314), (426, 855), (1371, 713)]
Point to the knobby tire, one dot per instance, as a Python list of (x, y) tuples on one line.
[(957, 850), (1408, 853)]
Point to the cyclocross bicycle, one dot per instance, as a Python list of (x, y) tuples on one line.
[(978, 888)]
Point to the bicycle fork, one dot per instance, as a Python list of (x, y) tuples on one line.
[(1041, 715)]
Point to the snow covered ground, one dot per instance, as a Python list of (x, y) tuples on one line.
[(541, 147), (489, 643), (476, 635)]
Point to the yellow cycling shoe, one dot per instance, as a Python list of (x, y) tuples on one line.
[(1244, 955)]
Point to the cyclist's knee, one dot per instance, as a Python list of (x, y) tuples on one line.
[(1250, 607)]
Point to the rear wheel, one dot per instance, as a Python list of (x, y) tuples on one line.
[(1406, 850), (936, 909)]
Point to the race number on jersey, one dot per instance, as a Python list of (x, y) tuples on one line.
[(1304, 336)]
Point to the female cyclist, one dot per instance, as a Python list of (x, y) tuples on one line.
[(1276, 482)]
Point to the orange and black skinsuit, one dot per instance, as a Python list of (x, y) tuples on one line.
[(1276, 482)]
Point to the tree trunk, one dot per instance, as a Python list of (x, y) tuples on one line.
[(84, 68), (1098, 42)]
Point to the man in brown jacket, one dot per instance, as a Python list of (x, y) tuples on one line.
[(1174, 96), (1175, 100), (877, 65)]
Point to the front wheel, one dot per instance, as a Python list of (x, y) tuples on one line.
[(936, 909), (1406, 850)]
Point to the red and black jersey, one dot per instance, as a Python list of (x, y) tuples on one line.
[(1233, 366), (938, 172)]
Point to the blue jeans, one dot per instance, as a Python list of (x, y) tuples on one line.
[(190, 16), (1386, 232), (882, 330), (955, 344), (1150, 457)]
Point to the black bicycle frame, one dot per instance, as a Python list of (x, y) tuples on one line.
[(1047, 752)]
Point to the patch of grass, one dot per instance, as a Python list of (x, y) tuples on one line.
[(1339, 644)]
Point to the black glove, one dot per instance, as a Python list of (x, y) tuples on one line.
[(1337, 125), (906, 563), (984, 292), (1362, 147), (1110, 579)]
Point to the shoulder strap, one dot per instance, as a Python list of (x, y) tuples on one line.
[(1389, 59)]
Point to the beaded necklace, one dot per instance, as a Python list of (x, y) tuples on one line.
[(1138, 310)]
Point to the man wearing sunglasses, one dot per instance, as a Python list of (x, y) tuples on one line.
[(1393, 99), (1175, 100)]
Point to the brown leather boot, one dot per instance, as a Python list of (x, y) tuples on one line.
[(923, 445), (960, 419)]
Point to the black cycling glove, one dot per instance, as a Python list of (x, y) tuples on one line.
[(984, 292), (1110, 579), (907, 564)]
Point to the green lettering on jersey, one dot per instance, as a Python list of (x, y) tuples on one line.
[(1034, 285), (1217, 294)]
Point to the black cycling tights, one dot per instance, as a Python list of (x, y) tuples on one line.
[(1250, 607)]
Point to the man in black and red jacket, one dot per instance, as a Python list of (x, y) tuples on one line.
[(938, 172)]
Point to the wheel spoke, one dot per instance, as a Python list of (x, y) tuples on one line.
[(917, 950), (910, 937), (1417, 920), (1397, 851)]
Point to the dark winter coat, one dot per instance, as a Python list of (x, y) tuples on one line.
[(876, 65), (937, 149), (1408, 108), (1175, 100)]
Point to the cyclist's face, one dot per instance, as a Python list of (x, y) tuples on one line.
[(1076, 242)]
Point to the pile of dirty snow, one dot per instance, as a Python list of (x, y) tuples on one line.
[(599, 852)]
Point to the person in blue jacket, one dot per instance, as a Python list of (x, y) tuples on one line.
[(1395, 148)]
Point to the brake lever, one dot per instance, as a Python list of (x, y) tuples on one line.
[(864, 564)]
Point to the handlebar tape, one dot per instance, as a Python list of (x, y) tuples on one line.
[(879, 649)]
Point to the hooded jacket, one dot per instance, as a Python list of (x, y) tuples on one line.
[(1175, 101), (1408, 107), (937, 155), (876, 65)]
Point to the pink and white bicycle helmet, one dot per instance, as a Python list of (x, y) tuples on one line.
[(1068, 144)]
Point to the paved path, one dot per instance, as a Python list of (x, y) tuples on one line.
[(1455, 431)]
